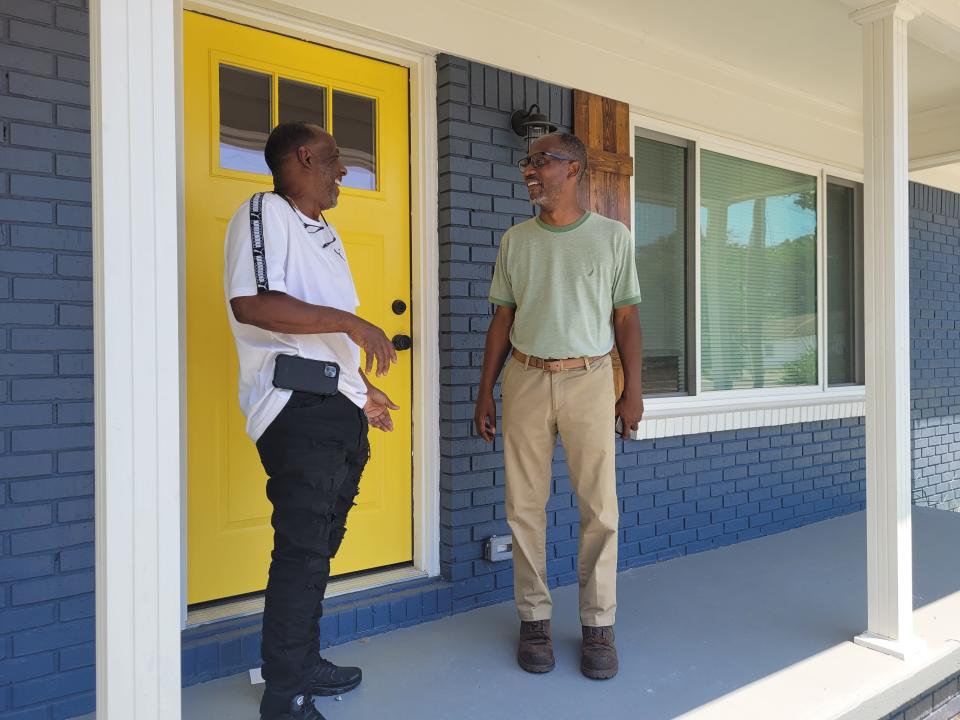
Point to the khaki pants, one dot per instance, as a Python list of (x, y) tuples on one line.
[(579, 404)]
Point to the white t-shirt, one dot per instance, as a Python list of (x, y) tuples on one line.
[(305, 259)]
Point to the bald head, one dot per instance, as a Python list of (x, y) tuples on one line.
[(305, 162), (284, 141)]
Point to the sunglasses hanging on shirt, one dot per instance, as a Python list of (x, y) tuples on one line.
[(311, 228)]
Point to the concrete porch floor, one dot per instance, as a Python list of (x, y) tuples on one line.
[(761, 629)]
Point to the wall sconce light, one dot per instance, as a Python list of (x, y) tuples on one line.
[(531, 124)]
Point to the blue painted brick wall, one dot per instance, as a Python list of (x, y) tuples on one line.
[(46, 387), (481, 194), (935, 345), (677, 495)]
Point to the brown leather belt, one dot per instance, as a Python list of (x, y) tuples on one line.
[(556, 365)]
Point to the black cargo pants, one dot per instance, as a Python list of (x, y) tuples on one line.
[(314, 453)]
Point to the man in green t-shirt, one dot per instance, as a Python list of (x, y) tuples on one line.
[(565, 286)]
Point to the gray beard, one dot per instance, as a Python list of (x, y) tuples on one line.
[(546, 200)]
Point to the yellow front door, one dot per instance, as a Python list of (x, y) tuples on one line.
[(239, 83)]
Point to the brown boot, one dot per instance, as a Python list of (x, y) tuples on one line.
[(535, 650), (598, 659)]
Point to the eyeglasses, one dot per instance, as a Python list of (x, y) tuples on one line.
[(312, 228), (538, 160)]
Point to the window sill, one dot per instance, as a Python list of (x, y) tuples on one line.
[(667, 417)]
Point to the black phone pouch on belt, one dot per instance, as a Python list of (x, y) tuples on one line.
[(292, 372)]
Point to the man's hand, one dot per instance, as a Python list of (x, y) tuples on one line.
[(485, 416), (374, 342), (378, 409), (630, 411)]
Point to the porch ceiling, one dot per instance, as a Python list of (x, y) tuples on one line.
[(811, 46), (761, 629), (781, 73)]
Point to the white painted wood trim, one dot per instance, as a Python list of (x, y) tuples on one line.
[(426, 306), (425, 259), (697, 275), (137, 357), (710, 416), (887, 329), (823, 302), (182, 311)]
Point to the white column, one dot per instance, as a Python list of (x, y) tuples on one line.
[(136, 353), (887, 329)]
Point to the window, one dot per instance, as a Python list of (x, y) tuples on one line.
[(741, 304), (249, 111), (844, 282), (301, 102), (661, 207), (354, 127), (758, 269), (245, 119)]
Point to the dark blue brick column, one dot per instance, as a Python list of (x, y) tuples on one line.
[(46, 386), (481, 195), (935, 345)]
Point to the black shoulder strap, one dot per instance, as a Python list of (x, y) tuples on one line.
[(256, 239)]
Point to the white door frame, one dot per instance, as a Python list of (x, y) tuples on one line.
[(138, 227), (424, 248)]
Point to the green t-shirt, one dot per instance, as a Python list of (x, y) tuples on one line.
[(564, 283)]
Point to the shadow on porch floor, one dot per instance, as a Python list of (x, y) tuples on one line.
[(761, 629)]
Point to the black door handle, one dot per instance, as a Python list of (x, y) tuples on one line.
[(402, 342)]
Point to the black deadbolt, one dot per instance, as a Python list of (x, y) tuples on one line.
[(399, 307), (402, 342)]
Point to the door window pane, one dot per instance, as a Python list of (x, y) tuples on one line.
[(758, 269), (245, 103), (301, 102), (661, 227), (354, 127), (844, 283)]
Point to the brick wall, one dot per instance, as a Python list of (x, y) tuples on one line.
[(46, 386), (677, 495), (935, 345)]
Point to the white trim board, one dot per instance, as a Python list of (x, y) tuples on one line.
[(134, 108), (704, 421), (424, 245)]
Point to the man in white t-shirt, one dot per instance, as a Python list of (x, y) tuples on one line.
[(289, 292)]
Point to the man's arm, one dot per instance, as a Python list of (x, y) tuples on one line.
[(495, 350), (279, 312), (629, 339)]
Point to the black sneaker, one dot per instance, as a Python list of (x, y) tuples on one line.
[(301, 708), (329, 679)]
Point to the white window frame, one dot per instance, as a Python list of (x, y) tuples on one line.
[(735, 409)]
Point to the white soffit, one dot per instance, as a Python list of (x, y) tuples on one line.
[(946, 177), (781, 73)]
